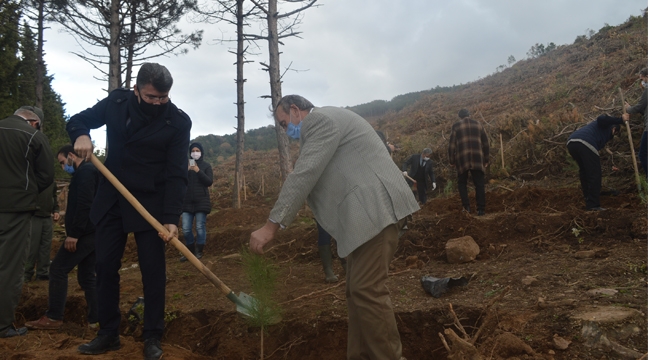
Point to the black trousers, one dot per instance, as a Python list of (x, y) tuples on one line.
[(109, 249), (422, 190), (590, 172), (478, 177), (63, 263)]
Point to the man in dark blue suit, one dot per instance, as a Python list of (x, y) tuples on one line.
[(147, 138), (418, 167)]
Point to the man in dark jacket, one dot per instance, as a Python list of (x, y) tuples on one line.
[(197, 200), (147, 138), (469, 152), (27, 169), (78, 249), (40, 243), (642, 108), (418, 167), (583, 145)]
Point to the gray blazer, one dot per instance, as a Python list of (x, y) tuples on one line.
[(350, 182)]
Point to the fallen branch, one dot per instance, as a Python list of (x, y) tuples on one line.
[(459, 326), (313, 293)]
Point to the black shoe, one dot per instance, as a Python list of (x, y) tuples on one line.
[(191, 248), (597, 208), (12, 331), (480, 213), (100, 345), (466, 209), (152, 349), (199, 251)]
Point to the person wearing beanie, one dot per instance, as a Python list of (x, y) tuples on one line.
[(418, 167), (27, 170), (583, 145), (196, 205), (40, 242)]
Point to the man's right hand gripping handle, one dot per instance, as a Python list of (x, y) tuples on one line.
[(83, 146)]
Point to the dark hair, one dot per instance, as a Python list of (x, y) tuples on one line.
[(156, 75), (463, 113), (644, 72), (286, 102), (66, 149)]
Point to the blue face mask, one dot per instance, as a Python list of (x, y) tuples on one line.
[(68, 168), (293, 131)]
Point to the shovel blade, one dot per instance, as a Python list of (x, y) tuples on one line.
[(244, 302)]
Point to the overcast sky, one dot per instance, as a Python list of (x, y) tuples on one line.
[(351, 52)]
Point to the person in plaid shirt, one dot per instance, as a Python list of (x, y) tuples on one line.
[(469, 152)]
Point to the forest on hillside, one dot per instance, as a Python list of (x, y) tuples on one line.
[(18, 74)]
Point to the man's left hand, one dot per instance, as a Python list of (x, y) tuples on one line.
[(263, 236), (434, 186), (70, 244), (56, 216), (172, 232)]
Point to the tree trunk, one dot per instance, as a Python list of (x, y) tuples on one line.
[(236, 200), (276, 87), (131, 45), (40, 63), (114, 68)]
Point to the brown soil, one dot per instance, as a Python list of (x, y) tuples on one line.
[(527, 232)]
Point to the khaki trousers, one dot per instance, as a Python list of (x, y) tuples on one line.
[(372, 329)]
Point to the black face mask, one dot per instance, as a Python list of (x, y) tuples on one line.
[(152, 110)]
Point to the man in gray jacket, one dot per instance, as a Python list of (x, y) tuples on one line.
[(359, 197), (27, 169)]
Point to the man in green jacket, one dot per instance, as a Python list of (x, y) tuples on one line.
[(40, 243), (27, 169)]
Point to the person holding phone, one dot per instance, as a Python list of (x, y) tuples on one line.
[(196, 205)]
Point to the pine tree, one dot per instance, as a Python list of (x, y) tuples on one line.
[(9, 61)]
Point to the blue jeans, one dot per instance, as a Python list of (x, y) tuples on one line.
[(188, 219)]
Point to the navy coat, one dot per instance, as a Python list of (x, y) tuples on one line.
[(151, 164)]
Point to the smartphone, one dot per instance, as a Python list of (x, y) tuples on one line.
[(192, 162)]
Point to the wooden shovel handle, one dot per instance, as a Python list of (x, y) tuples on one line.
[(629, 138), (410, 178), (159, 227)]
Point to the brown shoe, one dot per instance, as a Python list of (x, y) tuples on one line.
[(44, 323)]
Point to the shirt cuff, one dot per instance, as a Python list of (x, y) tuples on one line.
[(275, 222)]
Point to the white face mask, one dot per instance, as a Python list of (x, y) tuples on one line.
[(425, 158), (195, 155), (644, 84)]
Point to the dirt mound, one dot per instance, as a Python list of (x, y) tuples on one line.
[(528, 233)]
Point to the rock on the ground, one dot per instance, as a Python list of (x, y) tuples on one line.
[(529, 281), (560, 343), (606, 327), (461, 250), (601, 292)]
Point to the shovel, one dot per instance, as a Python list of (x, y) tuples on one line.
[(244, 302), (629, 137)]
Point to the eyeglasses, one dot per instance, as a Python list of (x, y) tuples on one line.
[(161, 99)]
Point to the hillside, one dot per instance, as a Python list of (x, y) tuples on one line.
[(535, 104)]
